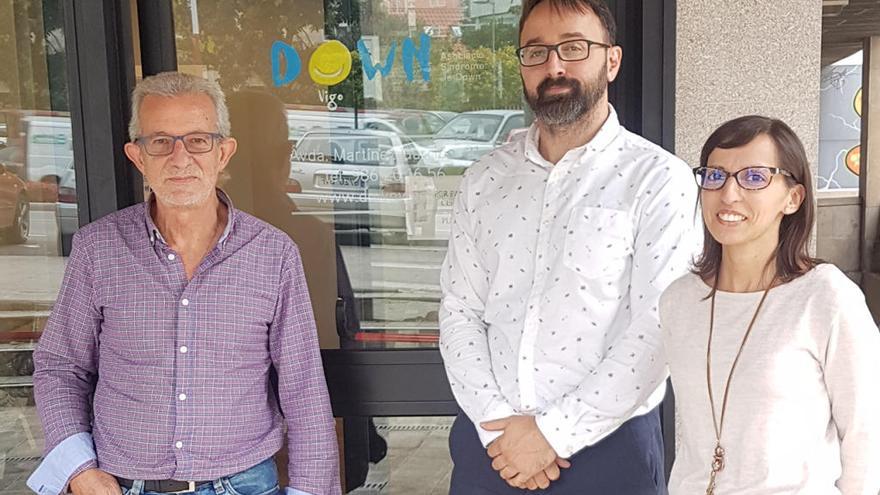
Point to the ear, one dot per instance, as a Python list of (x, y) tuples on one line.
[(133, 152), (796, 197), (614, 58), (227, 148)]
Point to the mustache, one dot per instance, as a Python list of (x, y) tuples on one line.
[(187, 172), (559, 82)]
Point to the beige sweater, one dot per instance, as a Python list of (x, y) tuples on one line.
[(804, 411)]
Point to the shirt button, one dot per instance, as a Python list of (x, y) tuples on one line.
[(182, 396), (179, 445), (171, 257), (183, 349), (185, 302)]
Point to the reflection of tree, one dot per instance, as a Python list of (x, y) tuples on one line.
[(462, 79), (505, 35), (236, 36), (33, 58)]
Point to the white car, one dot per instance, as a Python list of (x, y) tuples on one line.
[(468, 136)]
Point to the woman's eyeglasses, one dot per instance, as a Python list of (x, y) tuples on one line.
[(750, 178)]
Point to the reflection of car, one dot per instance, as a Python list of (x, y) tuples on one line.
[(4, 134), (443, 114), (40, 154), (416, 125), (66, 211), (357, 176), (14, 207), (300, 121), (469, 136), (12, 157)]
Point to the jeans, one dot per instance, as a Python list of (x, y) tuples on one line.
[(261, 479)]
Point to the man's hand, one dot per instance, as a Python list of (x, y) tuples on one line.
[(543, 479), (94, 482), (521, 454)]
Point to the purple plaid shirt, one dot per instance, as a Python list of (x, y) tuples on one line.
[(180, 369)]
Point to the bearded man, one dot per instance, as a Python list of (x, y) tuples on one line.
[(561, 245)]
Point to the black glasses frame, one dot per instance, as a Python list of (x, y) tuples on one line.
[(555, 48), (736, 176), (144, 141)]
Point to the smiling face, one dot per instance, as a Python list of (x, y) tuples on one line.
[(330, 63), (749, 219), (560, 92), (180, 179)]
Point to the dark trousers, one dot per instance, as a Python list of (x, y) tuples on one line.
[(627, 462)]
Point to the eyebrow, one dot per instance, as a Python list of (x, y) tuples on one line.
[(719, 167), (565, 36)]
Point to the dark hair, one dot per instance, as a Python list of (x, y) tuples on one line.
[(792, 254), (597, 7)]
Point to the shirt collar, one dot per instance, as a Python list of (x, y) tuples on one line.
[(609, 130), (154, 231)]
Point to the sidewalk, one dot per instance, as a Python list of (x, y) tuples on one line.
[(30, 282)]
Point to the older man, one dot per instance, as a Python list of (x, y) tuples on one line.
[(561, 245), (152, 375)]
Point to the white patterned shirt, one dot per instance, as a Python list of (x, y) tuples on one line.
[(552, 280)]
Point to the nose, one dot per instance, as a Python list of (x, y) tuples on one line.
[(179, 155), (554, 65), (731, 192)]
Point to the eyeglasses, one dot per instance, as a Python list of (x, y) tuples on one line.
[(751, 178), (568, 51), (163, 144)]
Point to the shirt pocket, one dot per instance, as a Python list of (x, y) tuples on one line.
[(598, 242)]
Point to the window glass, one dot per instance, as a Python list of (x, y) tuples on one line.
[(38, 214)]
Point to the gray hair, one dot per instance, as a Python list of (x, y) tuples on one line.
[(171, 84)]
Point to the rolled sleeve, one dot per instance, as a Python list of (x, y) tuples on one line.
[(69, 458)]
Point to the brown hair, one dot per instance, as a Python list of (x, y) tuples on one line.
[(792, 254), (597, 7)]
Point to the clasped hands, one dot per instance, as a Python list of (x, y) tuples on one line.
[(521, 455)]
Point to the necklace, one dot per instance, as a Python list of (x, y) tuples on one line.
[(719, 453)]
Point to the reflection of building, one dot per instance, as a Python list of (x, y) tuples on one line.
[(484, 12), (436, 17)]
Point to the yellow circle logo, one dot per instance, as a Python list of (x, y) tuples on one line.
[(853, 159), (330, 64), (857, 102)]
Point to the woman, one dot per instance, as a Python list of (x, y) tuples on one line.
[(773, 354)]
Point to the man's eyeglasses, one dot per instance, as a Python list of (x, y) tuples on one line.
[(751, 178), (568, 51), (163, 144)]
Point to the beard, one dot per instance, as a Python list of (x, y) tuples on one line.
[(183, 195), (564, 109)]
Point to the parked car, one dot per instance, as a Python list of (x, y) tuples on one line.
[(12, 157), (469, 136), (40, 152), (301, 121), (66, 208), (421, 127), (355, 176), (446, 116), (14, 208)]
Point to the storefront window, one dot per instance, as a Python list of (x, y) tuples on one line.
[(38, 213), (355, 122), (385, 105)]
